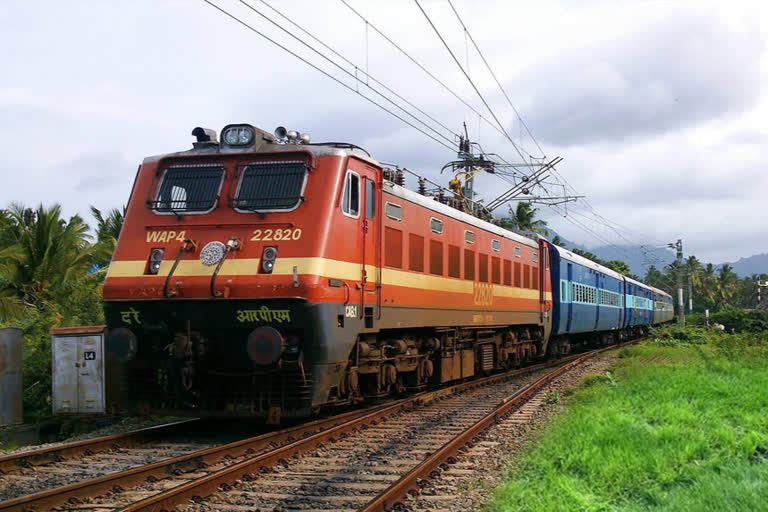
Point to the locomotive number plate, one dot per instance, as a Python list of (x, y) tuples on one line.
[(89, 355), (266, 235), (350, 311)]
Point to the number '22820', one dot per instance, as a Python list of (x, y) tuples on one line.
[(265, 235)]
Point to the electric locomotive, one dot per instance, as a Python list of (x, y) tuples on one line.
[(269, 276), (265, 275)]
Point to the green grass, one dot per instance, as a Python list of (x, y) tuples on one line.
[(688, 433)]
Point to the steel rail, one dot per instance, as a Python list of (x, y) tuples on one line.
[(391, 497), (223, 478), (309, 436), (86, 447), (72, 493)]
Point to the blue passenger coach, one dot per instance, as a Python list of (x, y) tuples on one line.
[(663, 307), (588, 301), (638, 299)]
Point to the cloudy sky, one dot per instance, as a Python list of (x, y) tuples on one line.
[(658, 108)]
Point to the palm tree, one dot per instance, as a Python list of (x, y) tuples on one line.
[(107, 232), (109, 226), (727, 283), (559, 242), (523, 218), (50, 253), (11, 307)]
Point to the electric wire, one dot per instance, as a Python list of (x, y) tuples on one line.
[(422, 67), (490, 70), (350, 63), (317, 68), (350, 74), (469, 79)]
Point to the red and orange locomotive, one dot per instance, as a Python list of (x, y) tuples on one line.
[(265, 275)]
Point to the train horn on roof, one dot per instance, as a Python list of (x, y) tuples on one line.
[(281, 133)]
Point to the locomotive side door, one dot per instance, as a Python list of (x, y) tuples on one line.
[(545, 290), (371, 245), (363, 188)]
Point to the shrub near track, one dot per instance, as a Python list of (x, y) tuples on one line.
[(681, 425)]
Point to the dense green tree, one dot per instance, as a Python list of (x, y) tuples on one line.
[(50, 253), (622, 267), (523, 218), (107, 232)]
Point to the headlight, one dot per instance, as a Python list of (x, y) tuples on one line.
[(121, 345), (155, 259), (268, 257), (238, 135)]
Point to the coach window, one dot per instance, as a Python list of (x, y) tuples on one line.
[(469, 236), (535, 257), (496, 245), (370, 199), (394, 211), (436, 225), (350, 204), (517, 252)]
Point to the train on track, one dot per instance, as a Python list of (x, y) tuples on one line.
[(265, 275)]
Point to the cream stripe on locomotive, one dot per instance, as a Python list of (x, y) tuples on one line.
[(325, 267)]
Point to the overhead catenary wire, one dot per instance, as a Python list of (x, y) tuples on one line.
[(335, 79), (471, 82), (446, 142), (498, 83), (423, 68), (450, 140), (350, 63)]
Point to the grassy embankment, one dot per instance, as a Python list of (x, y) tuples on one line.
[(688, 432)]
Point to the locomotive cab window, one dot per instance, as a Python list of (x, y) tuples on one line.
[(271, 186), (350, 204), (370, 199), (188, 189)]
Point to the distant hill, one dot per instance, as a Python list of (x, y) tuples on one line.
[(745, 267), (640, 258)]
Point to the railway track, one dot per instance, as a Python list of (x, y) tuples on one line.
[(368, 459)]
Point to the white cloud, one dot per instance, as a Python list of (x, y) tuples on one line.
[(658, 108)]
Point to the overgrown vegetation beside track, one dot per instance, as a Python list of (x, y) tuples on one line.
[(681, 424)]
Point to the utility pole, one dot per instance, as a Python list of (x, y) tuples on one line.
[(680, 304), (690, 293), (760, 286)]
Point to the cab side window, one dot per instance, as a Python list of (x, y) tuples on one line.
[(350, 203), (370, 199)]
